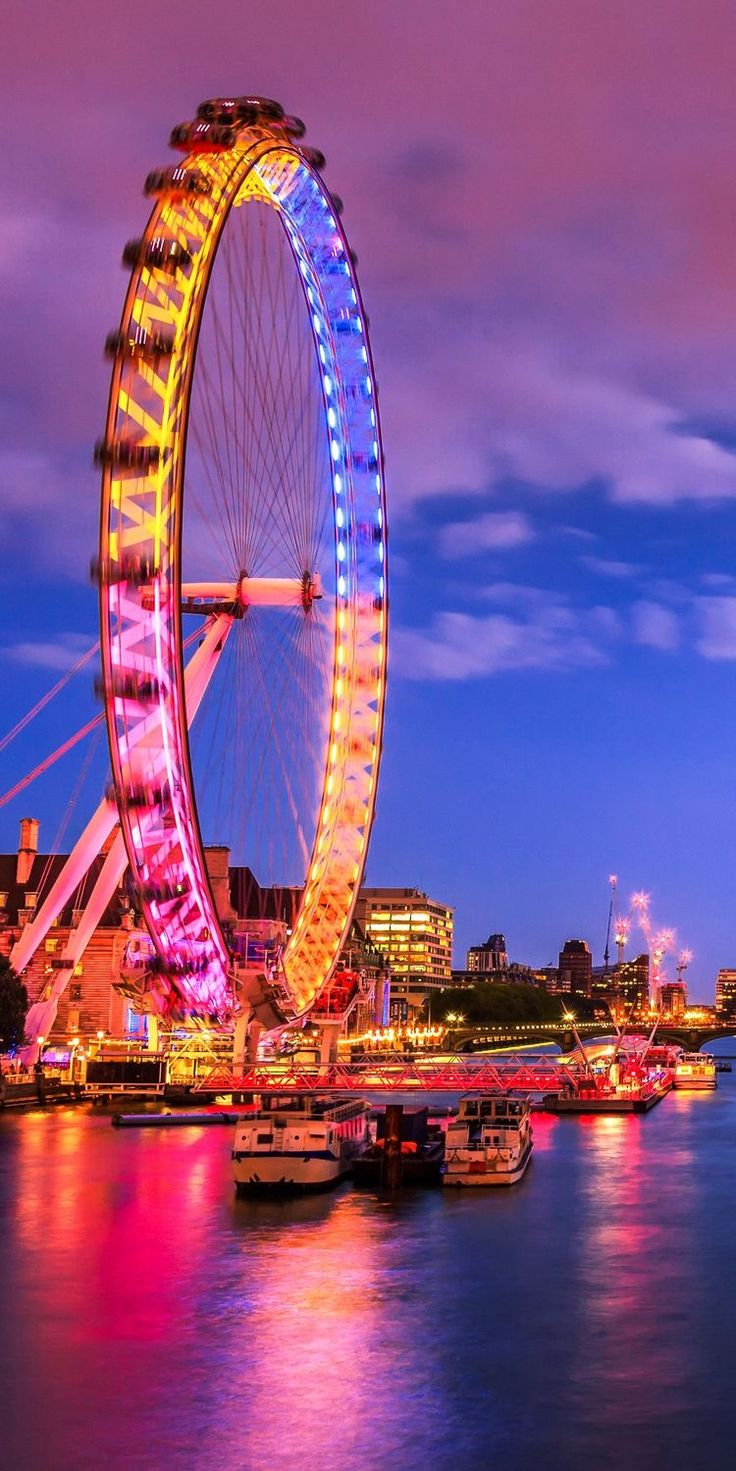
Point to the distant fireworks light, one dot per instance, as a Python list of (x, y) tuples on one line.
[(660, 942)]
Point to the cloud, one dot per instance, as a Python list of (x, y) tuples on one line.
[(61, 654), (480, 410), (49, 513), (579, 533), (29, 481), (516, 593), (719, 581), (556, 427), (655, 627), (495, 529), (717, 619), (610, 568), (459, 646)]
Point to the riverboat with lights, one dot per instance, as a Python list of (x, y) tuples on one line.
[(489, 1143), (696, 1070), (300, 1144), (622, 1088)]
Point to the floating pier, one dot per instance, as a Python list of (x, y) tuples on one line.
[(179, 1119)]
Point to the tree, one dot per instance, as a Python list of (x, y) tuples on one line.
[(495, 1003), (13, 1007)]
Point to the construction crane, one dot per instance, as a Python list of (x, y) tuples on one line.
[(612, 879), (683, 961), (617, 924)]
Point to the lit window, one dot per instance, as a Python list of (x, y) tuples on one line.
[(30, 899)]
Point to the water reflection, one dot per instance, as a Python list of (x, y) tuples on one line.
[(154, 1320)]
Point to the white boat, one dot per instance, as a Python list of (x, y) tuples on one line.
[(489, 1143), (302, 1144), (696, 1070)]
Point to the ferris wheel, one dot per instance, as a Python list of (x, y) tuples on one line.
[(243, 511)]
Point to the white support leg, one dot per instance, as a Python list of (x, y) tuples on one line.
[(328, 1043), (42, 1015), (83, 853), (239, 1043)]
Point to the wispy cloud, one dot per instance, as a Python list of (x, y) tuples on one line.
[(655, 626), (459, 646), (717, 625), (719, 581), (608, 567), (482, 412), (578, 533), (61, 654), (498, 530)]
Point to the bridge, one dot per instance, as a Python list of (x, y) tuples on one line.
[(695, 1038), (392, 1073), (523, 1034)]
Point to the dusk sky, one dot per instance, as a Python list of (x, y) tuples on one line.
[(542, 196)]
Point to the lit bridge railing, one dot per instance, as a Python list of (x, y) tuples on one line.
[(456, 1074)]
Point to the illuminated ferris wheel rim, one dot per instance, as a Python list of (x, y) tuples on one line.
[(148, 695)]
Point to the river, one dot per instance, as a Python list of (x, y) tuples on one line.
[(151, 1320)]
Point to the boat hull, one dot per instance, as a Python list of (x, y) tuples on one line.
[(485, 1179), (699, 1084), (286, 1174), (640, 1104)]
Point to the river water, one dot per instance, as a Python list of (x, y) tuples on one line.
[(585, 1319)]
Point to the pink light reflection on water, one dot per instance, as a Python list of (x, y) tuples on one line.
[(150, 1320)]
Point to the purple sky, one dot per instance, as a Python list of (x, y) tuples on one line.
[(543, 199)]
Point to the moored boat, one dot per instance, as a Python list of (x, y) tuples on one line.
[(301, 1144), (696, 1070), (489, 1143), (622, 1089)]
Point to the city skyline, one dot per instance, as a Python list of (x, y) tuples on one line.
[(552, 311)]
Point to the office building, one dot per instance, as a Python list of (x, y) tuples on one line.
[(632, 985), (726, 995), (491, 956), (576, 968), (672, 999), (414, 933)]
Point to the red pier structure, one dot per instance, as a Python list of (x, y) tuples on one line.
[(392, 1074)]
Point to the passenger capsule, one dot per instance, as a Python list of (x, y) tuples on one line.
[(126, 454), (163, 893), (128, 684), (266, 106), (159, 254), (176, 182), (132, 567), (202, 137), (135, 343), (314, 156)]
